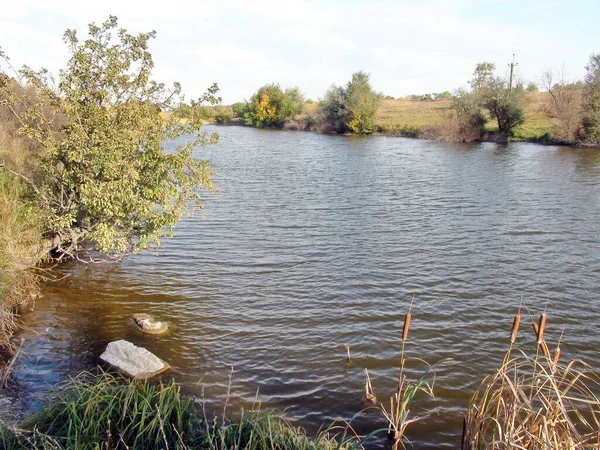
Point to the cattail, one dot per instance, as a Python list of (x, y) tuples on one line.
[(544, 346), (556, 355), (406, 327), (541, 327), (515, 328)]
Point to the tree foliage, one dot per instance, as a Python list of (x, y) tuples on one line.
[(590, 132), (469, 117), (105, 177), (353, 108), (483, 75), (271, 107), (362, 102), (502, 103), (335, 109)]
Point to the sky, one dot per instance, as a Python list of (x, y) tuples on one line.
[(408, 47)]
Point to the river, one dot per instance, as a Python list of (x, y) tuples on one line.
[(316, 242)]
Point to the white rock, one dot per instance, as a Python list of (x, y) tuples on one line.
[(135, 362)]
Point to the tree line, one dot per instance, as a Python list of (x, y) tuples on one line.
[(353, 108)]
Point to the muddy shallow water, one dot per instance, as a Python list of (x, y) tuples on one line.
[(318, 241)]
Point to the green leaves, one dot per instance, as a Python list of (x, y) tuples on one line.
[(271, 107), (106, 178), (353, 108)]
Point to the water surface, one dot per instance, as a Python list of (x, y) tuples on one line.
[(319, 241)]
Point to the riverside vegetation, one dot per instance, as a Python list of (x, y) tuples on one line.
[(492, 109), (83, 175)]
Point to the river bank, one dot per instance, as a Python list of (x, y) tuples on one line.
[(424, 119)]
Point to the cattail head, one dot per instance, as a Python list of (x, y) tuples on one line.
[(541, 327), (407, 318), (515, 328), (556, 355)]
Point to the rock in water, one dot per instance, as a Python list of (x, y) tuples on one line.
[(147, 324), (135, 362)]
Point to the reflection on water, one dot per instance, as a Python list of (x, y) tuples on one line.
[(317, 242)]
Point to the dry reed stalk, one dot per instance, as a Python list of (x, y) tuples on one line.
[(535, 404), (368, 398)]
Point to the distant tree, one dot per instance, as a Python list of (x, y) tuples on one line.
[(483, 76), (239, 109), (291, 104), (335, 109), (562, 104), (469, 117), (363, 103), (503, 105), (532, 87), (271, 107), (590, 132)]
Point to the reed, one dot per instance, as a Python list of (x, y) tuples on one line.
[(398, 416), (535, 403)]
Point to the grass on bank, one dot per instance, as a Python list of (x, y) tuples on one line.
[(20, 228), (110, 412), (411, 117)]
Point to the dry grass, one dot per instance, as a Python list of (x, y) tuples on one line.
[(411, 116), (535, 403), (406, 115), (20, 226)]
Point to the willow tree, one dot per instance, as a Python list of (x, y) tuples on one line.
[(105, 179)]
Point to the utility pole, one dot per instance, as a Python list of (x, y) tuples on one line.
[(512, 65)]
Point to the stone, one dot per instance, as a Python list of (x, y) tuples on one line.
[(135, 362), (147, 324)]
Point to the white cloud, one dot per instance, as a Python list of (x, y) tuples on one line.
[(407, 46)]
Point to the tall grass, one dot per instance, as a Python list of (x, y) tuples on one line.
[(110, 412), (535, 402), (20, 224)]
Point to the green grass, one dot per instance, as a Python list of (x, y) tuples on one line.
[(107, 411)]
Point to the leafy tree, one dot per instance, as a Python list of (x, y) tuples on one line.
[(105, 178), (502, 103), (363, 103), (532, 87), (590, 132), (271, 107), (239, 109), (469, 117), (483, 75), (504, 106), (353, 108), (335, 109)]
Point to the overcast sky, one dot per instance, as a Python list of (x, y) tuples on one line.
[(408, 47)]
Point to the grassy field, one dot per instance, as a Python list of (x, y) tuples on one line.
[(410, 116)]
